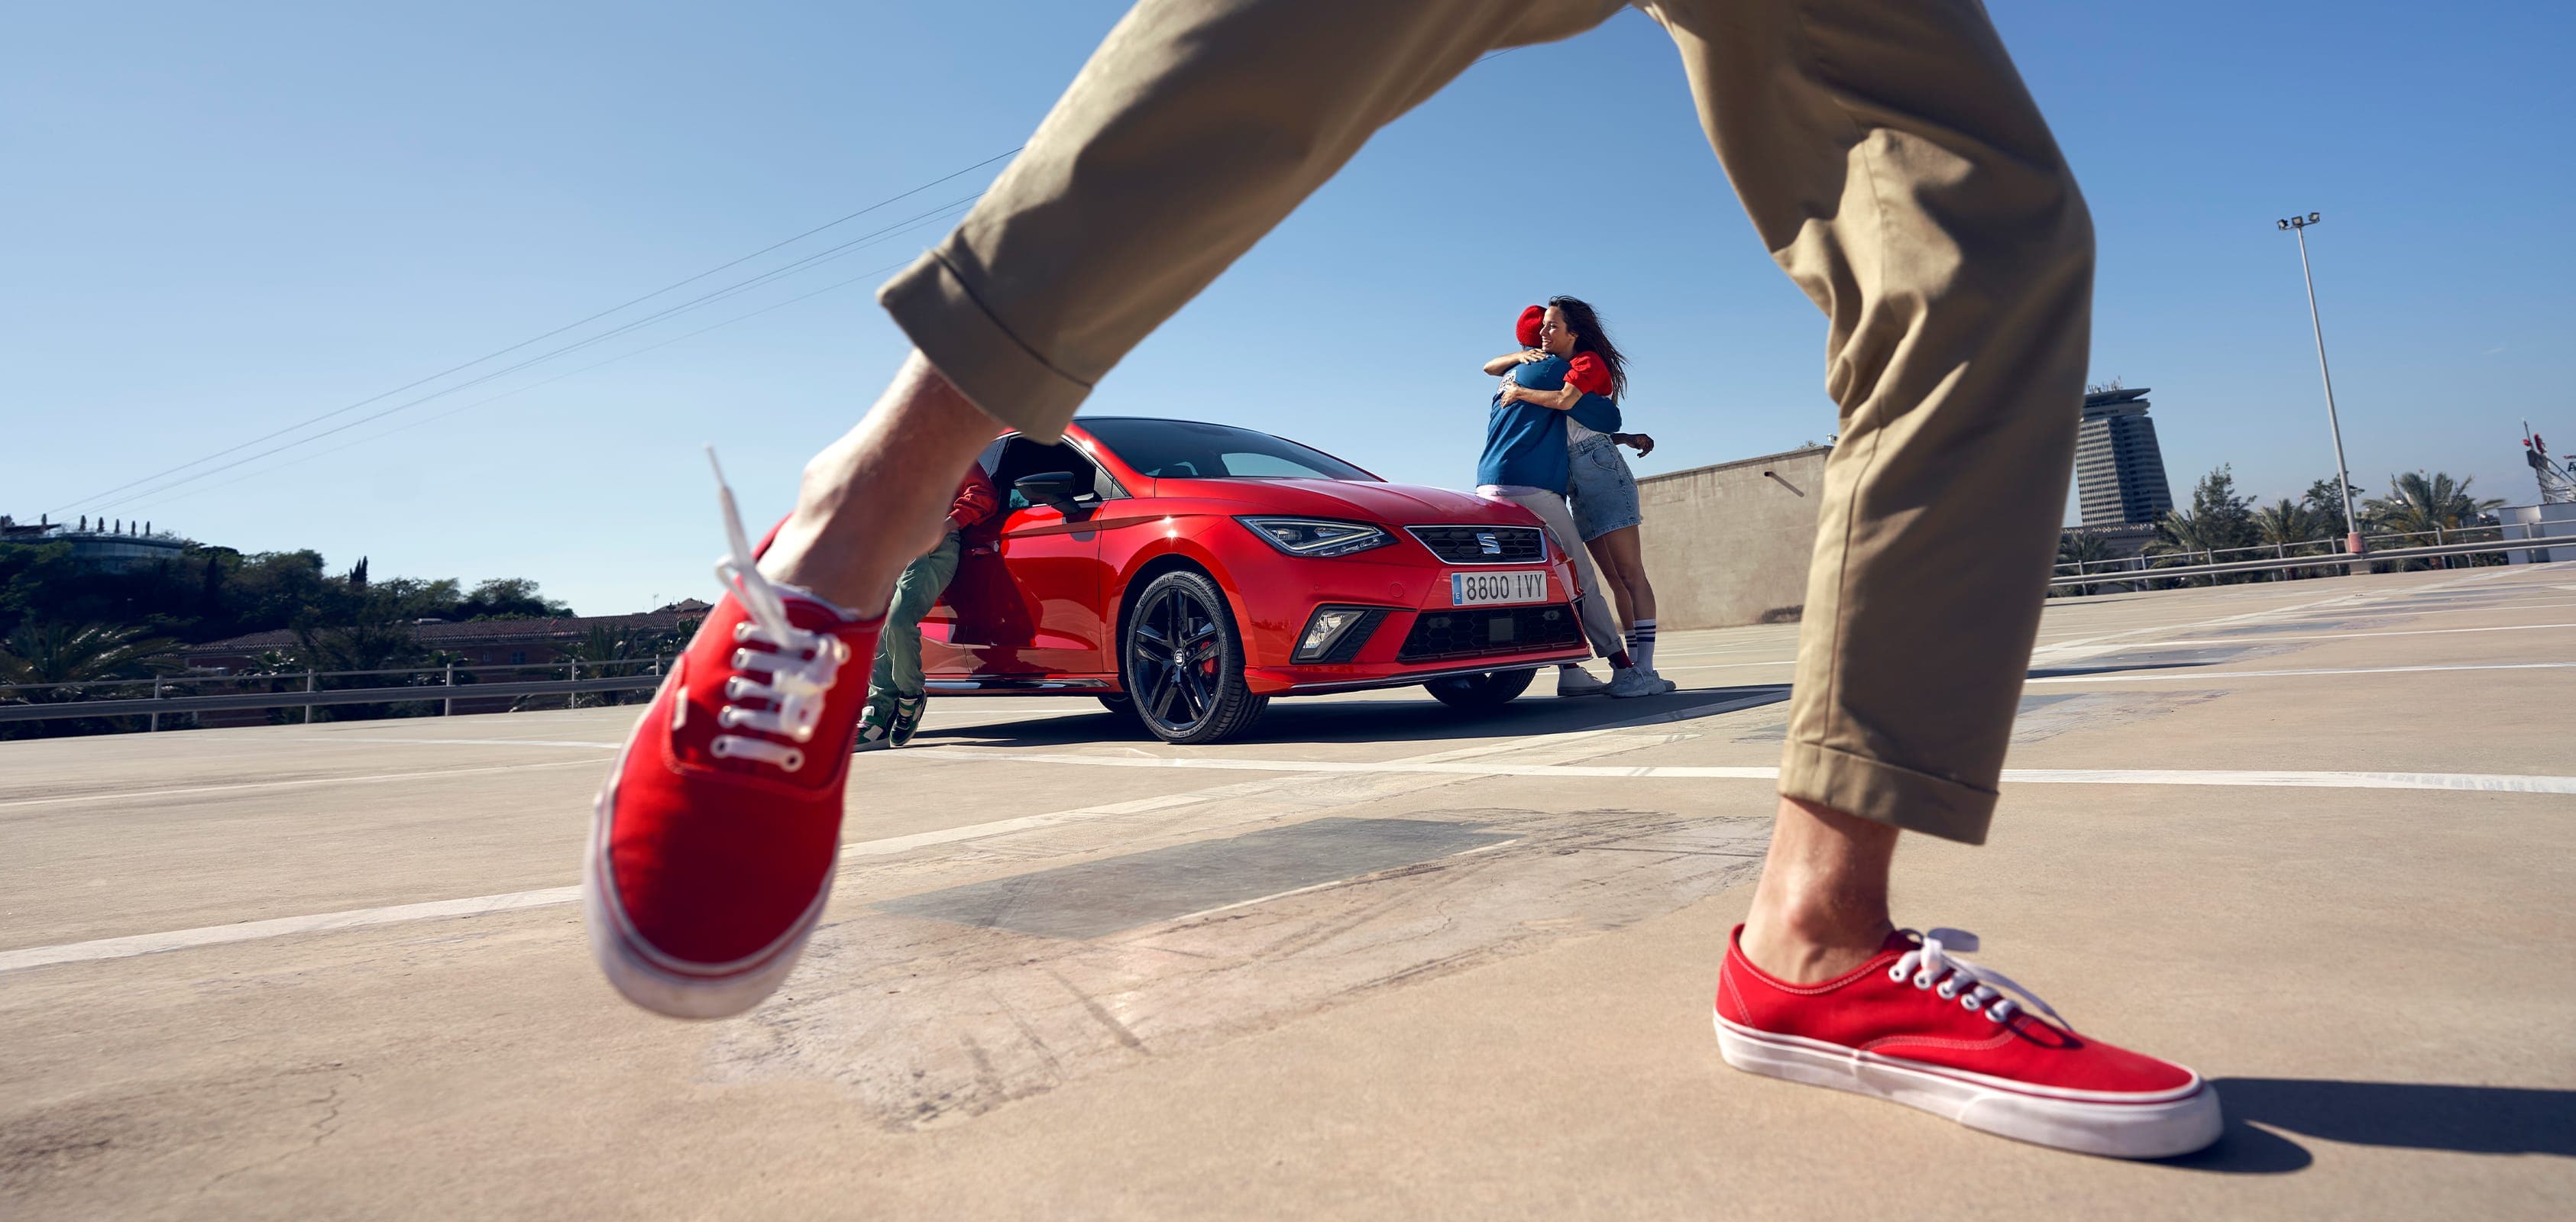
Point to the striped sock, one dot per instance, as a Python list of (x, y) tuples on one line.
[(1641, 643)]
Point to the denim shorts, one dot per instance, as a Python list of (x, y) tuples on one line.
[(1603, 493)]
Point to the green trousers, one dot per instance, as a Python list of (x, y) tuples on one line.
[(898, 669)]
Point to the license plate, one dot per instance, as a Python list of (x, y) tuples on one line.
[(1494, 589)]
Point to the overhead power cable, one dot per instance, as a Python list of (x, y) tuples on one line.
[(822, 256), (534, 339), (433, 419)]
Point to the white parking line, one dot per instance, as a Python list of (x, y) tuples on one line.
[(1445, 763), (2187, 674), (369, 779), (144, 944), (2262, 778)]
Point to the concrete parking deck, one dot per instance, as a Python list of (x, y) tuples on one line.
[(1379, 960)]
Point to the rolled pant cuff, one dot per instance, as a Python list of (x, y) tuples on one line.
[(977, 354), (1886, 793)]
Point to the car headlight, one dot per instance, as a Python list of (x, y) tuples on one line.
[(1318, 537)]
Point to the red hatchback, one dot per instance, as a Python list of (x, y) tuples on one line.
[(1186, 573)]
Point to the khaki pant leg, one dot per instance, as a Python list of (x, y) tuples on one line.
[(1600, 624), (1194, 129), (1898, 170)]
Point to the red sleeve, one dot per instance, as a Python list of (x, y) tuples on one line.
[(1588, 373), (975, 500)]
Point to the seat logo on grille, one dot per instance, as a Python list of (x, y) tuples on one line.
[(1488, 544)]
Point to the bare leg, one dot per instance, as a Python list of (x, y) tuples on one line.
[(1606, 559), (1623, 552), (873, 500), (1821, 907)]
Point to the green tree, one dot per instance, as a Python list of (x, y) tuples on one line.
[(2432, 506), (93, 657), (2184, 539), (2323, 499), (2079, 552), (509, 598), (2286, 524), (80, 653), (2222, 516)]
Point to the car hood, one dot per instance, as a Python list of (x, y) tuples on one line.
[(1393, 504)]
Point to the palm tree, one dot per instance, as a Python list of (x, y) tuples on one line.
[(80, 653), (2077, 552), (84, 654), (2186, 538), (2434, 505), (2287, 524)]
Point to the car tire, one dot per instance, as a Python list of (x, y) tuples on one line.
[(1123, 708), (1490, 690), (1181, 661)]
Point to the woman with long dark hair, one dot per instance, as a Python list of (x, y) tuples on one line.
[(1601, 491)]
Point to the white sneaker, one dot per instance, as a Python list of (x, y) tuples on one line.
[(1633, 682), (1576, 681), (1669, 685)]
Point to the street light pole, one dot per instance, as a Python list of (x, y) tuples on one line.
[(2343, 478)]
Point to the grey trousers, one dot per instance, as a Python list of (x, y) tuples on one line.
[(1600, 624)]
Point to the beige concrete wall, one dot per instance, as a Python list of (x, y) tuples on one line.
[(1729, 544)]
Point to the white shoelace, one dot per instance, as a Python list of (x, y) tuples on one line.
[(1935, 965), (800, 665)]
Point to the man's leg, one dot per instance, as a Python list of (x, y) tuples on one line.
[(1600, 626), (873, 500), (898, 669), (1195, 127), (1900, 174)]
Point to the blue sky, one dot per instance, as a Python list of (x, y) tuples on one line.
[(221, 221)]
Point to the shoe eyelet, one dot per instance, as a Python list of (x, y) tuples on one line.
[(722, 747), (1923, 980), (742, 631), (1970, 1002), (1994, 1018), (795, 760), (1896, 974), (1947, 990)]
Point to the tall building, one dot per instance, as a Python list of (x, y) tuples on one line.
[(2119, 470)]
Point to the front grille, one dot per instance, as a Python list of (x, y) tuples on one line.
[(1469, 631), (1466, 544)]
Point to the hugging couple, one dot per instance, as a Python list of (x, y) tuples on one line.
[(1552, 447)]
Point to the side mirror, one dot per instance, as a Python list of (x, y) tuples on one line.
[(1053, 488)]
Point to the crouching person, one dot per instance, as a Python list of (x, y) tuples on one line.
[(896, 697)]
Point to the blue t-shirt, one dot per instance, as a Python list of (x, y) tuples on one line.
[(1525, 443)]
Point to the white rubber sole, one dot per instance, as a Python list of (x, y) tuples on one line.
[(656, 981), (2153, 1127)]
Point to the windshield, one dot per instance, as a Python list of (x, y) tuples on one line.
[(1183, 449)]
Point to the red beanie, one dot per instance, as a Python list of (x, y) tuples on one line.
[(1528, 329)]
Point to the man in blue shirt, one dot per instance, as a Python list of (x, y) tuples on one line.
[(1525, 463)]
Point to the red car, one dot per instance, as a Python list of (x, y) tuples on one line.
[(1186, 573)]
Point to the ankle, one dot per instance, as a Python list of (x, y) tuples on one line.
[(1821, 907), (1803, 948)]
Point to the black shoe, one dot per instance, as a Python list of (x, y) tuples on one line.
[(907, 718)]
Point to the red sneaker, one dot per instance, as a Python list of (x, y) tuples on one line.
[(714, 841), (1917, 1025)]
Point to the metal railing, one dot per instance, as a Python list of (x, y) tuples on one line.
[(2140, 573), (313, 695), (2441, 536)]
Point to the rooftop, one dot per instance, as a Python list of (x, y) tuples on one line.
[(2305, 836)]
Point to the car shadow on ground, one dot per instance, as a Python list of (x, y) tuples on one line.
[(1325, 719), (2261, 1112)]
